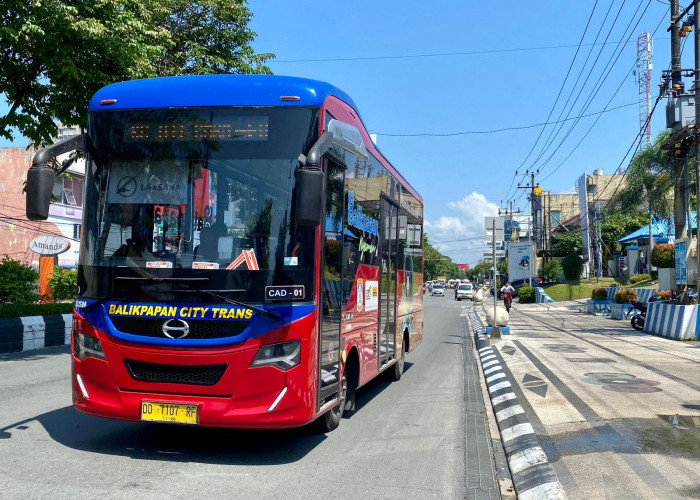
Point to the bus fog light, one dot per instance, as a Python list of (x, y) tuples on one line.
[(87, 346), (83, 389), (283, 356)]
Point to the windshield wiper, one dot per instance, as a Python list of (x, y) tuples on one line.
[(154, 279), (217, 294)]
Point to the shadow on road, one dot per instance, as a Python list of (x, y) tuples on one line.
[(146, 441), (173, 443), (35, 354)]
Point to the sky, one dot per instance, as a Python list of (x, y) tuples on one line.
[(438, 81), (424, 73)]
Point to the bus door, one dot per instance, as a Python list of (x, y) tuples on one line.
[(387, 288), (331, 299)]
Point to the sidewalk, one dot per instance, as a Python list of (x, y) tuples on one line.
[(487, 473), (564, 305), (532, 475)]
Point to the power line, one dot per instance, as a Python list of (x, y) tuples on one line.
[(595, 122), (596, 87), (523, 127), (566, 78), (438, 54)]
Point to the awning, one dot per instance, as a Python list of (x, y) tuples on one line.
[(643, 234)]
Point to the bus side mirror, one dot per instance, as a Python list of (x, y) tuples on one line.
[(309, 183), (40, 177), (40, 180), (309, 197)]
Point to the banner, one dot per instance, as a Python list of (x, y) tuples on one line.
[(519, 261)]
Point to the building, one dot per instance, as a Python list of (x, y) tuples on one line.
[(65, 213)]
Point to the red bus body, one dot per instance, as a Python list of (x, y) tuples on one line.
[(261, 396)]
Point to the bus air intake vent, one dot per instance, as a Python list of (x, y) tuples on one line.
[(199, 329), (175, 374)]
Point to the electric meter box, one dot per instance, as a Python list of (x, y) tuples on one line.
[(680, 112)]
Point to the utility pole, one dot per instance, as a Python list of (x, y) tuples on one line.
[(680, 166), (532, 202), (532, 235), (696, 4), (675, 46)]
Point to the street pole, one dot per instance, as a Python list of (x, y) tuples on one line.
[(495, 287), (532, 251), (675, 45), (696, 3)]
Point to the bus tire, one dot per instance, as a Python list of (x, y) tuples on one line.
[(352, 374), (330, 420), (397, 370)]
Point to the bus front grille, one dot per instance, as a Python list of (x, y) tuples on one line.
[(199, 329), (175, 374)]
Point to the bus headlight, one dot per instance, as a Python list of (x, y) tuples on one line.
[(283, 356), (87, 346)]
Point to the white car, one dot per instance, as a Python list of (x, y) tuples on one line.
[(438, 290), (464, 291)]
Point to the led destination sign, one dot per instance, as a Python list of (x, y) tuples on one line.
[(235, 128)]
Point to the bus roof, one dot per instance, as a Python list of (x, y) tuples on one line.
[(215, 90), (223, 90)]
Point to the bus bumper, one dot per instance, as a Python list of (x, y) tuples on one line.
[(255, 398)]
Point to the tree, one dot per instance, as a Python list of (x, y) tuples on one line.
[(567, 244), (572, 266), (616, 225), (17, 282), (55, 54), (649, 182), (209, 36), (436, 264)]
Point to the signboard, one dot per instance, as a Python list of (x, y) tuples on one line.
[(681, 271), (500, 254), (49, 245), (159, 183), (494, 224), (519, 261)]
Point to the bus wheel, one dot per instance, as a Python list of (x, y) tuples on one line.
[(330, 420), (397, 371)]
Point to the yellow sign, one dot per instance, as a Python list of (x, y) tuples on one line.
[(169, 412), (538, 190), (164, 311)]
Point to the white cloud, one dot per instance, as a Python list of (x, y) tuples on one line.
[(460, 235)]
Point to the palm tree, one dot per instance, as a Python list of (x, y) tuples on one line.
[(649, 184)]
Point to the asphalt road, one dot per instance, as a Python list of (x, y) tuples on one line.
[(617, 411), (405, 440)]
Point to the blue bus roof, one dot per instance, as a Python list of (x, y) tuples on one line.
[(215, 90)]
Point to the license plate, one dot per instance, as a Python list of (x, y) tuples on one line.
[(169, 412)]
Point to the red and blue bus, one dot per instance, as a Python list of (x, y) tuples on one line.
[(248, 257)]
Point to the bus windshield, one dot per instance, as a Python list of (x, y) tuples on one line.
[(195, 199)]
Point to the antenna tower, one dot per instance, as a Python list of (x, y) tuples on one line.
[(644, 66)]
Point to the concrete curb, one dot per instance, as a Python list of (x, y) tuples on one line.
[(533, 475), (34, 332)]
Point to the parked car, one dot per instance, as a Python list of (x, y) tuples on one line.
[(464, 291), (438, 290)]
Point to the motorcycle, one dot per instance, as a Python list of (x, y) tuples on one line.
[(639, 318), (507, 301)]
